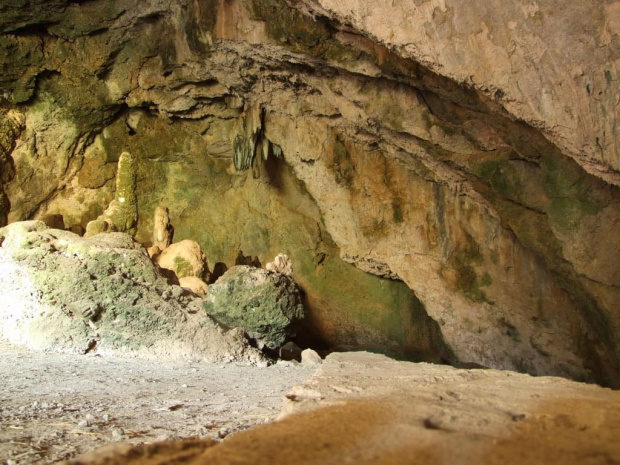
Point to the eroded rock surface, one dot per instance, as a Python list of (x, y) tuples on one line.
[(66, 293), (462, 160), (281, 264), (184, 259), (365, 408), (265, 304)]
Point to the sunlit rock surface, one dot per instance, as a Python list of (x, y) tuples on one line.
[(65, 293)]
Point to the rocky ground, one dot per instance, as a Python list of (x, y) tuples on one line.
[(56, 406), (364, 408)]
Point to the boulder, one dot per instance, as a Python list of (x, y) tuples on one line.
[(64, 292), (290, 351), (263, 303), (184, 258), (98, 227), (281, 264)]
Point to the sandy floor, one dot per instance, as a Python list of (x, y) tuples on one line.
[(56, 406)]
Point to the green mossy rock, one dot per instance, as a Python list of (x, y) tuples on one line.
[(68, 293), (263, 303)]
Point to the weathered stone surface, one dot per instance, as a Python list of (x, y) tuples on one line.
[(194, 284), (11, 125), (310, 357), (184, 258), (99, 227), (365, 408), (474, 173), (162, 229), (122, 212), (66, 293), (264, 304), (281, 264), (553, 64)]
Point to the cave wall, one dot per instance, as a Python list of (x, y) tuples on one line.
[(445, 190)]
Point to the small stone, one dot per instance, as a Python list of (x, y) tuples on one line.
[(117, 433), (310, 357), (222, 433), (84, 423), (281, 264)]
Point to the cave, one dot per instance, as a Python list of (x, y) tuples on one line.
[(389, 231)]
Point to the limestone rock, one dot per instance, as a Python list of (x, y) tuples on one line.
[(54, 221), (162, 229), (123, 210), (11, 125), (248, 260), (310, 357), (263, 304), (194, 284), (281, 264), (99, 227), (68, 293), (290, 351), (184, 258), (465, 182), (366, 408), (153, 251)]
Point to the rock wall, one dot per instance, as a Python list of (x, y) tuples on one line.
[(463, 160)]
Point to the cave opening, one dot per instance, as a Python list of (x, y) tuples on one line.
[(399, 224)]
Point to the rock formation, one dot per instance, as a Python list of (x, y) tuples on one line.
[(264, 304), (122, 213), (365, 408), (194, 284), (11, 125), (66, 293), (281, 264), (442, 176), (184, 259), (162, 229)]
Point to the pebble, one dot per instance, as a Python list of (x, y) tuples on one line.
[(310, 357), (118, 433)]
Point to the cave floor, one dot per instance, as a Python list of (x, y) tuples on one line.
[(56, 406)]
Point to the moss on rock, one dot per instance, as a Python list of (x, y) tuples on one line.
[(264, 304)]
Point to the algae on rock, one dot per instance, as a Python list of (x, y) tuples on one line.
[(122, 213), (264, 304), (68, 293)]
